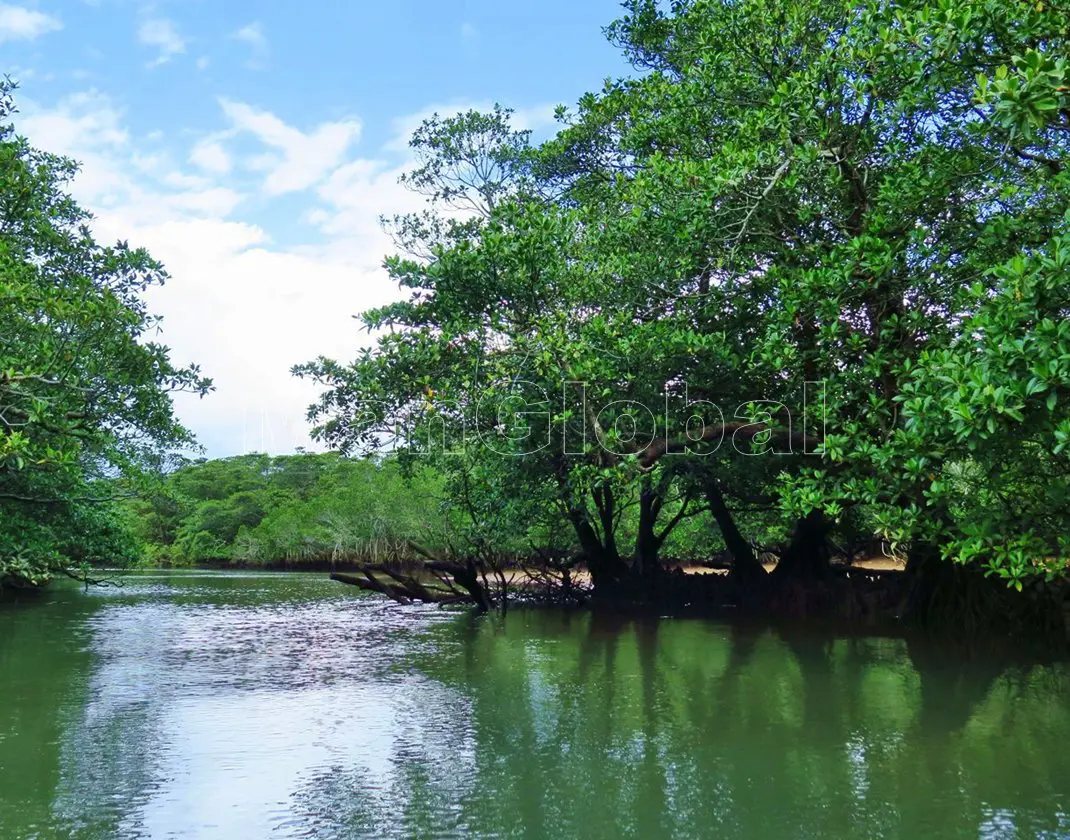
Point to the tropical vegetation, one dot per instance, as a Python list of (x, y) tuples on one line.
[(860, 206), (799, 283), (86, 415)]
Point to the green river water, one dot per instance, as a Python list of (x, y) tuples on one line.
[(226, 705)]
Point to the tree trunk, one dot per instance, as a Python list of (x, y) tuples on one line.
[(745, 565), (466, 576), (604, 564), (647, 543), (606, 503), (941, 594), (808, 555)]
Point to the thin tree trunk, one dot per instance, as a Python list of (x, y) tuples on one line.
[(745, 565), (647, 542)]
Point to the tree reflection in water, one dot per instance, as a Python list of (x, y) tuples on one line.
[(274, 709), (599, 726)]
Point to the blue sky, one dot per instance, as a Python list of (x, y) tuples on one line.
[(251, 146)]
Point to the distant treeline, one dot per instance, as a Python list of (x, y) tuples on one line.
[(295, 509)]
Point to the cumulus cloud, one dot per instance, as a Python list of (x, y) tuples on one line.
[(21, 23), (209, 155), (238, 303), (80, 124), (116, 175), (162, 35), (253, 35), (241, 304), (356, 195), (297, 160)]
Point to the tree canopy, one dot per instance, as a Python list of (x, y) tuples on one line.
[(805, 270), (85, 406)]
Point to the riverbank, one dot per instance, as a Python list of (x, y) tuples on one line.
[(943, 601), (872, 594)]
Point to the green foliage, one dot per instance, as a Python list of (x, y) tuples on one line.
[(291, 509), (867, 194), (85, 407)]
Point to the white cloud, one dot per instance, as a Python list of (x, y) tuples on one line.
[(210, 156), (116, 173), (535, 118), (243, 307), (81, 124), (161, 34), (253, 35), (203, 62), (469, 33), (356, 195), (21, 23), (241, 304), (20, 74), (298, 160)]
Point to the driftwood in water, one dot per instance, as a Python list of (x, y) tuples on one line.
[(466, 574), (404, 589), (455, 582)]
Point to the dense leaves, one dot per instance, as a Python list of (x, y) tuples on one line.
[(85, 407), (290, 510), (867, 195)]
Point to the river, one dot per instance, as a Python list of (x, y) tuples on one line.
[(229, 705)]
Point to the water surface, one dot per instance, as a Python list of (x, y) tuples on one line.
[(211, 705)]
